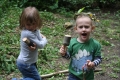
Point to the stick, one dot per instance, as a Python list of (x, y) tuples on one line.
[(14, 47), (64, 71), (83, 74), (97, 70), (55, 73)]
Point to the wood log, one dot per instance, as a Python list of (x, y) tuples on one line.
[(28, 42)]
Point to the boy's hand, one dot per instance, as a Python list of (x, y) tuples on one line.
[(90, 64), (33, 47), (63, 50)]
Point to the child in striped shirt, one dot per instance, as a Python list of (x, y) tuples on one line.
[(84, 51)]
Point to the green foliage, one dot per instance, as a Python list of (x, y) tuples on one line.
[(106, 43), (56, 5), (74, 2), (41, 5), (80, 10), (8, 48), (108, 1), (47, 16), (3, 6), (117, 14), (49, 59), (65, 12), (21, 3)]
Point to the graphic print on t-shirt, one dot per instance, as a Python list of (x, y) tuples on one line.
[(79, 60)]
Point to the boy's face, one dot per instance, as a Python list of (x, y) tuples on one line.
[(84, 28)]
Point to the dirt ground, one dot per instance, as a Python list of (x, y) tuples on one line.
[(108, 70)]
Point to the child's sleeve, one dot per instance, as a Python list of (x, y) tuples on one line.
[(97, 60), (38, 39), (67, 55), (97, 55)]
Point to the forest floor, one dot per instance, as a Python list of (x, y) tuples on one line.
[(108, 34)]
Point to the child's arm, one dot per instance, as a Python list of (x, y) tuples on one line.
[(32, 47), (41, 43), (40, 40), (96, 62), (97, 57), (63, 52)]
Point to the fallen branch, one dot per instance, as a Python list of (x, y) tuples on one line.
[(64, 71), (14, 47), (52, 74), (97, 70)]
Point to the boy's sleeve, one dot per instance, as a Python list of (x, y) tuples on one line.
[(97, 60), (97, 56), (67, 55)]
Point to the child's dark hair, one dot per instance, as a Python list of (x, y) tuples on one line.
[(30, 14)]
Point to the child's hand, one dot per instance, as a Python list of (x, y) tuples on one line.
[(33, 47), (43, 36), (63, 50), (90, 64)]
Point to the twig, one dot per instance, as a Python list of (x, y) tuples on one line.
[(14, 47), (64, 71), (97, 70), (52, 74), (83, 74)]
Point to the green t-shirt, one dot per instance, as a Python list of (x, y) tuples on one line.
[(80, 53)]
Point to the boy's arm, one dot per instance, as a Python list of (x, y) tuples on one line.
[(97, 56), (92, 64), (67, 55), (97, 60), (64, 53)]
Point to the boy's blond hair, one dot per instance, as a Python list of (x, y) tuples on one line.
[(90, 15)]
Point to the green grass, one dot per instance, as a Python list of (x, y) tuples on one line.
[(107, 33)]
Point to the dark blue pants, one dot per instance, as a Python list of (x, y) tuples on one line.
[(72, 77), (29, 71)]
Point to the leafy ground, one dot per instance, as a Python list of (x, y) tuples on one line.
[(107, 33)]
